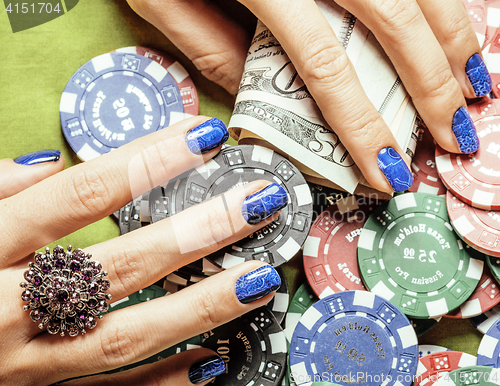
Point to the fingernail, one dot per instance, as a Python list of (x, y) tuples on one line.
[(395, 169), (38, 157), (257, 284), (264, 203), (206, 369), (465, 131), (207, 136), (478, 75)]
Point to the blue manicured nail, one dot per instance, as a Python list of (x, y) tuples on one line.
[(257, 284), (38, 157), (395, 169), (207, 136), (465, 131), (206, 369), (263, 204), (478, 75)]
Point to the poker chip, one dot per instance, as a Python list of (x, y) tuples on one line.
[(484, 297), (484, 321), (471, 375), (494, 266), (234, 166), (473, 178), (279, 303), (116, 98), (425, 175), (330, 260), (184, 277), (422, 326), (428, 349), (479, 228), (144, 295), (167, 200), (493, 62), (354, 337), (409, 255), (323, 197), (303, 298), (433, 366), (134, 215), (253, 347), (476, 9), (184, 82), (488, 353)]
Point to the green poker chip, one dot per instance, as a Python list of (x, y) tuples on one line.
[(471, 375), (144, 295), (494, 264), (409, 254), (303, 298)]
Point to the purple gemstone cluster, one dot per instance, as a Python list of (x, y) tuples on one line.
[(65, 291)]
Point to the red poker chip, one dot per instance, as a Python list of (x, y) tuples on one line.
[(330, 250), (433, 366), (478, 228), (475, 178), (181, 76), (425, 175), (476, 9), (484, 297)]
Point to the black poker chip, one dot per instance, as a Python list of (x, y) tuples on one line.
[(134, 215), (253, 347), (234, 166), (184, 277)]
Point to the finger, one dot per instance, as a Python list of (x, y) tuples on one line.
[(182, 369), (451, 26), (403, 32), (134, 333), (25, 171), (215, 44), (143, 257), (324, 66), (90, 191)]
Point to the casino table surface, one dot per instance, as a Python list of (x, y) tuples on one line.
[(35, 65)]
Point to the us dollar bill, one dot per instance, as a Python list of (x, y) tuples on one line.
[(273, 106)]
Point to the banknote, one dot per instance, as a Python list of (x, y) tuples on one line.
[(274, 107)]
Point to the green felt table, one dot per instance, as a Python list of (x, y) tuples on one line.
[(35, 65)]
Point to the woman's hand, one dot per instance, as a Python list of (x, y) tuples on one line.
[(431, 44), (40, 204)]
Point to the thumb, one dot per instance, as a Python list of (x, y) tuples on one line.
[(26, 170)]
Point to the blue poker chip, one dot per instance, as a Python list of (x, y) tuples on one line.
[(488, 353), (354, 337), (114, 99)]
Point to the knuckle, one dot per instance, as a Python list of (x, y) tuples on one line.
[(214, 226), (394, 16), (220, 67), (127, 267), (458, 29), (207, 310), (363, 126), (325, 62), (438, 85), (119, 343), (87, 192)]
